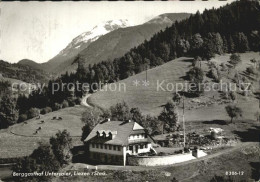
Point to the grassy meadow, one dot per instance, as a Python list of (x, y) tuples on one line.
[(150, 100), (19, 140)]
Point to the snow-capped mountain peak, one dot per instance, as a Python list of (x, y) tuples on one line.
[(84, 39)]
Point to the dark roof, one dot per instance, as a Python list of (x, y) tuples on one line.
[(123, 130)]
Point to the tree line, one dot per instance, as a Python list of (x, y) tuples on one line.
[(215, 31), (167, 121), (49, 157), (15, 109)]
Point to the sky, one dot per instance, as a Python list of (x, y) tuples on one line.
[(40, 30)]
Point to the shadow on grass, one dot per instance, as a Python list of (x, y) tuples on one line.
[(248, 75), (250, 135), (188, 60), (186, 77), (188, 94), (255, 170), (218, 122)]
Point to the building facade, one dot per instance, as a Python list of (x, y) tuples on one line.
[(110, 142)]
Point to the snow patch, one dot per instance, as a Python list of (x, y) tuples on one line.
[(95, 33)]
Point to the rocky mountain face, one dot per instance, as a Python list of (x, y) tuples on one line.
[(108, 40), (82, 41)]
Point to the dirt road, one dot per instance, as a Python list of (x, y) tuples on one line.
[(84, 100)]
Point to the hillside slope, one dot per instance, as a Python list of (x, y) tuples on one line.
[(30, 63), (27, 73), (150, 99)]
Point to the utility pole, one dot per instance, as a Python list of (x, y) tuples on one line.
[(146, 74), (183, 120)]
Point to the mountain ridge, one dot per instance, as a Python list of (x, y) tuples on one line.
[(119, 38), (116, 43)]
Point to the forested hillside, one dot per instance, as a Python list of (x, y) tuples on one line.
[(215, 31), (22, 72)]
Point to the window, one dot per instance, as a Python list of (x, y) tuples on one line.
[(145, 146), (97, 145), (130, 147), (118, 148), (110, 147), (141, 146), (114, 147), (101, 146), (105, 146)]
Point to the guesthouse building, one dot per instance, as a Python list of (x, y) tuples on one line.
[(110, 142)]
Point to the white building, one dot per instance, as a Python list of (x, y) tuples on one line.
[(111, 141)]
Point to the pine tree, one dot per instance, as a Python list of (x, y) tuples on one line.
[(169, 116), (241, 42), (218, 42), (8, 112), (225, 45), (196, 43), (231, 45)]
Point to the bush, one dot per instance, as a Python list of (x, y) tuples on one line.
[(195, 75), (224, 67), (233, 112), (77, 101), (72, 103), (162, 154), (56, 107), (237, 78), (61, 146), (235, 59), (194, 62), (214, 135), (251, 70), (233, 95), (46, 110), (65, 104), (33, 112), (215, 74), (22, 118), (42, 159)]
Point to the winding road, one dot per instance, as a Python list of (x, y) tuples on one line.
[(84, 100)]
